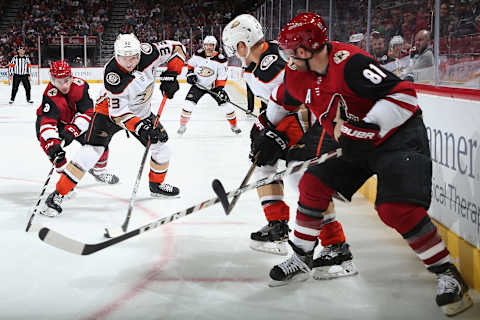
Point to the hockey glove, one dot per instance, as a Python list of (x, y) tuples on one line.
[(168, 83), (146, 132), (192, 78), (266, 141), (69, 133), (358, 139), (221, 94), (54, 150)]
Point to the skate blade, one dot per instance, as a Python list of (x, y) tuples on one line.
[(162, 196), (346, 269), (301, 277), (49, 212), (459, 306), (277, 247)]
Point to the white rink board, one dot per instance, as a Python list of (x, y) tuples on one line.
[(453, 126)]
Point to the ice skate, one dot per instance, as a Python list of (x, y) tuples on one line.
[(181, 130), (104, 177), (296, 268), (163, 190), (452, 291), (334, 261), (52, 207), (272, 238), (236, 130)]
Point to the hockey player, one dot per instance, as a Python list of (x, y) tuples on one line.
[(208, 69), (263, 74), (125, 103), (65, 114), (376, 119)]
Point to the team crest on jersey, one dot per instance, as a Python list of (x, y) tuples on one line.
[(341, 56), (52, 92), (112, 78), (206, 72), (146, 48), (268, 61)]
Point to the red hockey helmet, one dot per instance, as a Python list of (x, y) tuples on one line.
[(307, 30), (60, 69)]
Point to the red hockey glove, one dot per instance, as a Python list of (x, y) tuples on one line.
[(69, 133)]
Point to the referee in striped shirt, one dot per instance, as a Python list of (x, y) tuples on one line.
[(19, 70)]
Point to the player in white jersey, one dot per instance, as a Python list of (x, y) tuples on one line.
[(207, 68), (264, 72), (125, 104)]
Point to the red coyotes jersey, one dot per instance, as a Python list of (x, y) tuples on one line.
[(355, 82), (58, 109)]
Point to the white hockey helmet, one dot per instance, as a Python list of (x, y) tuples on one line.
[(210, 40), (244, 28), (126, 45)]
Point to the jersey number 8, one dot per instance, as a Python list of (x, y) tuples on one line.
[(374, 74)]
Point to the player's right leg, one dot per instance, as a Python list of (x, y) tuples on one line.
[(191, 100), (99, 135), (273, 237)]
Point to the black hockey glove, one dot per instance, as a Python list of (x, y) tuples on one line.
[(221, 94), (146, 131), (69, 133), (54, 150), (357, 139), (168, 83), (267, 143), (192, 78)]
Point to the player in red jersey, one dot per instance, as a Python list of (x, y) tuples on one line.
[(375, 118), (65, 114)]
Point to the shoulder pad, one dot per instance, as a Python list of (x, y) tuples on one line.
[(220, 58), (200, 53), (147, 55), (52, 92), (115, 80)]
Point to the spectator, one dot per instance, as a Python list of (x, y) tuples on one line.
[(446, 20), (357, 39), (378, 47), (422, 52)]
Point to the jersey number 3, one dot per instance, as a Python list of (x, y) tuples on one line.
[(374, 74)]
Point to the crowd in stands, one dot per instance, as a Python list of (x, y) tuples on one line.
[(52, 18)]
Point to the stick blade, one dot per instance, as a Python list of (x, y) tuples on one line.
[(221, 194), (113, 232)]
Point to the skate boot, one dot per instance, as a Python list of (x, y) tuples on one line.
[(272, 238), (104, 177), (236, 130), (163, 190), (452, 291), (53, 205), (296, 268), (335, 261), (181, 130)]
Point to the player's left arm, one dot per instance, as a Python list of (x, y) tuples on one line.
[(84, 106), (395, 99)]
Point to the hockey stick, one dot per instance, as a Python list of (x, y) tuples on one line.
[(110, 232), (244, 182), (223, 196), (44, 188), (227, 101), (60, 241)]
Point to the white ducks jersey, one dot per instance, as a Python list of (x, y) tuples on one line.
[(126, 96), (211, 71)]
